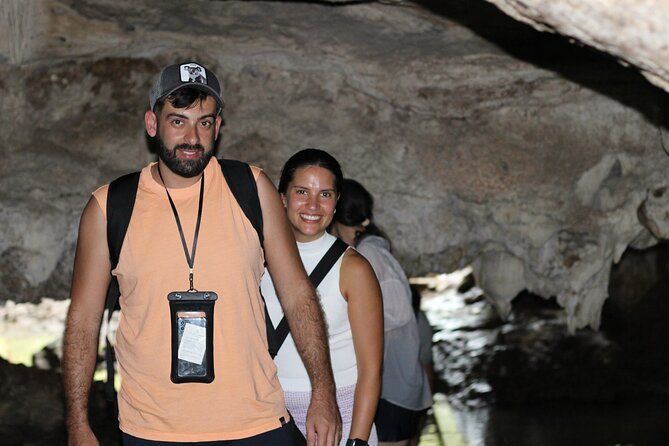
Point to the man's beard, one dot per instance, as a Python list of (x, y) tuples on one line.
[(184, 168)]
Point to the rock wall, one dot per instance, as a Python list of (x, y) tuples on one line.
[(484, 141), (635, 31)]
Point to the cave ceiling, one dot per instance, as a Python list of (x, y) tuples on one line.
[(537, 157)]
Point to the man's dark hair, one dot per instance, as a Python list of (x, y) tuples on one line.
[(183, 98)]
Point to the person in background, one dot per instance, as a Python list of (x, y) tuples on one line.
[(405, 392), (425, 334), (350, 296), (425, 356)]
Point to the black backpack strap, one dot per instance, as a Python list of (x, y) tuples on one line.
[(317, 275), (120, 202), (243, 186)]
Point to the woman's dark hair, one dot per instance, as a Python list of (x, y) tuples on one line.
[(310, 157), (356, 205)]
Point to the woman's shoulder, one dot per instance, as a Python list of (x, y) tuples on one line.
[(354, 264), (357, 277), (352, 258)]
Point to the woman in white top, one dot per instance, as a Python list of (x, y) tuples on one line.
[(405, 392), (349, 294)]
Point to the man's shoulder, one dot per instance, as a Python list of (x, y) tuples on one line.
[(100, 196), (128, 174), (124, 188), (255, 170)]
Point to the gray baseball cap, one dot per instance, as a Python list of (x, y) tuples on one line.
[(189, 74)]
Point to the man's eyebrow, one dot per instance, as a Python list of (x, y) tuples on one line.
[(176, 115), (179, 115)]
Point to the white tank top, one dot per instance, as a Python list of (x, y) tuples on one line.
[(292, 374)]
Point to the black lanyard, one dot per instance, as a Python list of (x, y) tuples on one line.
[(190, 259)]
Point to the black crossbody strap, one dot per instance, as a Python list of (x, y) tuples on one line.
[(317, 275), (327, 262)]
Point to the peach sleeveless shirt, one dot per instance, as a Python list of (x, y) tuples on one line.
[(245, 398)]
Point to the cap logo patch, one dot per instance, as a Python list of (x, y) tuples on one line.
[(192, 72)]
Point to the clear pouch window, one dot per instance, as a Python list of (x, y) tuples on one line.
[(192, 336)]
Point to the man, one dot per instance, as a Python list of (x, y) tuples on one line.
[(184, 203)]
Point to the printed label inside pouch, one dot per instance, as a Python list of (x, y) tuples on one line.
[(192, 314)]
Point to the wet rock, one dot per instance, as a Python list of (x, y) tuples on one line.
[(542, 362), (533, 358), (32, 411), (31, 407), (527, 359), (32, 403)]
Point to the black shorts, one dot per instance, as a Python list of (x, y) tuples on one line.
[(395, 423), (286, 435)]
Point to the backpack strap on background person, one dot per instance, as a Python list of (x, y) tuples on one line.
[(317, 275), (121, 195)]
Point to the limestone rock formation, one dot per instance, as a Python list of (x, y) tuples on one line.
[(484, 141), (633, 30)]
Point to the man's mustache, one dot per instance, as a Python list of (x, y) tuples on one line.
[(189, 147)]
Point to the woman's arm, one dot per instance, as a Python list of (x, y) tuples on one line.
[(365, 313)]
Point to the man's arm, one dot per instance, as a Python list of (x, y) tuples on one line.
[(303, 313), (90, 279)]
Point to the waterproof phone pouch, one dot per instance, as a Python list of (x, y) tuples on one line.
[(192, 320)]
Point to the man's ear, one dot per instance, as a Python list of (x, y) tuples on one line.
[(151, 123), (283, 200), (219, 121)]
